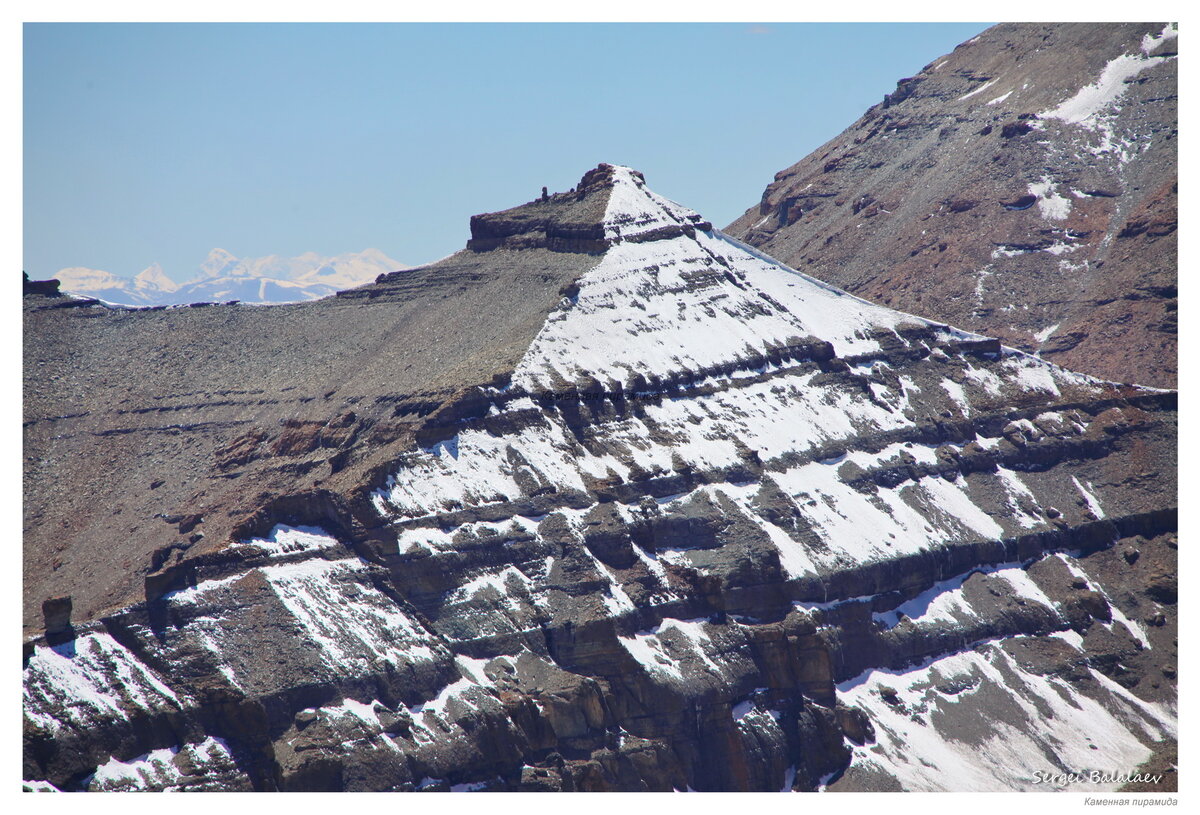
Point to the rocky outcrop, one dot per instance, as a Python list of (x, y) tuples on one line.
[(1023, 186), (716, 526), (573, 221), (47, 288)]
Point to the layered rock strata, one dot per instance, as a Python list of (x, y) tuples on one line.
[(702, 523)]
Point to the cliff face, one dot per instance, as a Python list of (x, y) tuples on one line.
[(1023, 186), (672, 516)]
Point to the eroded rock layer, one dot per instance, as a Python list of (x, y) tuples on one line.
[(718, 527), (1024, 186)]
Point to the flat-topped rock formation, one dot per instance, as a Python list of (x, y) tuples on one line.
[(607, 501)]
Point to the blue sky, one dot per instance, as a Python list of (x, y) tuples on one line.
[(155, 143)]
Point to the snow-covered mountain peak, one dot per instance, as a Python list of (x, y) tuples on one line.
[(153, 278), (672, 294), (634, 209), (216, 264), (82, 279), (663, 480)]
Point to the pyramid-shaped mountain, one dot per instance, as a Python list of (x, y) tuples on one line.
[(608, 500)]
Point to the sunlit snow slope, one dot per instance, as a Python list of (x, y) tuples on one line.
[(721, 527)]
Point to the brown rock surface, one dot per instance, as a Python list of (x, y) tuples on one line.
[(135, 416), (958, 198), (375, 557)]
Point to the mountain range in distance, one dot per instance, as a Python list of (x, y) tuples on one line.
[(223, 276)]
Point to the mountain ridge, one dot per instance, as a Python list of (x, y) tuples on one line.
[(223, 276), (1023, 186), (674, 516)]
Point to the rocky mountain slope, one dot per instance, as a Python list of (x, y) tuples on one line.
[(223, 277), (1023, 186), (673, 516)]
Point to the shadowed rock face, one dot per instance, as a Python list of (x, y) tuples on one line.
[(607, 501), (1023, 186)]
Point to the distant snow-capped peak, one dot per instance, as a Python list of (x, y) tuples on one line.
[(153, 278), (81, 279), (217, 264), (224, 276)]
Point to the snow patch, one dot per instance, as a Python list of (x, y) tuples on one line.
[(89, 680), (1092, 502), (980, 89), (957, 395), (1090, 100), (1053, 207), (159, 769), (1018, 495), (285, 539), (662, 650), (1045, 333), (1151, 43), (353, 631), (921, 716), (985, 379)]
